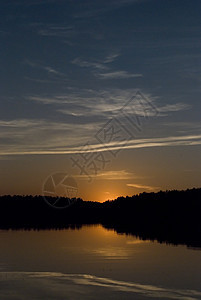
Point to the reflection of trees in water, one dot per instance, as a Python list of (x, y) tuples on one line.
[(171, 216)]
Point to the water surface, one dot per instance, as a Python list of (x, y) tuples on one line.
[(95, 263)]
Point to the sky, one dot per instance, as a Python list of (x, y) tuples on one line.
[(104, 92)]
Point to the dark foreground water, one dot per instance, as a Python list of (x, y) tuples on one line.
[(94, 263)]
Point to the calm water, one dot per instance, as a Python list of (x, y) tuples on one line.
[(94, 263)]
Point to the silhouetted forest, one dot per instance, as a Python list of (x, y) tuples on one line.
[(169, 216)]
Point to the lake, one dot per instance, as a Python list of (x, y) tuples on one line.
[(95, 263)]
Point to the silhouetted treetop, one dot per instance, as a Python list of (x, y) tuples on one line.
[(171, 216)]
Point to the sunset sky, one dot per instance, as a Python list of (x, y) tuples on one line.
[(105, 91)]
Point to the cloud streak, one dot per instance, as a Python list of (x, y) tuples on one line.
[(99, 66), (40, 66), (144, 187), (89, 108), (82, 63), (118, 75), (42, 137), (108, 103), (58, 31), (113, 175)]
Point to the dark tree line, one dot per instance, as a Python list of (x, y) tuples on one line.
[(170, 216)]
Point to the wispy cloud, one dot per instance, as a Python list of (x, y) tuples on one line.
[(90, 108), (183, 127), (114, 175), (83, 63), (51, 70), (143, 187), (48, 69), (96, 104), (58, 31), (99, 66), (108, 103), (117, 75), (174, 107), (112, 57), (42, 81), (96, 63), (87, 102), (41, 136), (20, 137)]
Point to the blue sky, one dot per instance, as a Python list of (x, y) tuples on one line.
[(68, 67)]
